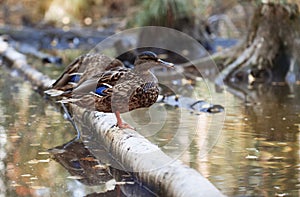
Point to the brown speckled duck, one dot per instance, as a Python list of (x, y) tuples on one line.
[(80, 70), (121, 89)]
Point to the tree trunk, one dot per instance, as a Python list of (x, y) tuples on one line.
[(270, 52), (132, 152)]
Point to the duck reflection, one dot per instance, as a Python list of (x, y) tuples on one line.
[(85, 168)]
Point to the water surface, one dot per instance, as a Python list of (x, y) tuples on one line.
[(248, 150)]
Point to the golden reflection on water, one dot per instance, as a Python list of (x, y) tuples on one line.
[(257, 153), (253, 152), (31, 127)]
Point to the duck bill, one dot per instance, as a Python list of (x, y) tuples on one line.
[(166, 64)]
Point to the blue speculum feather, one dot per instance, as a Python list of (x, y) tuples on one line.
[(148, 86), (100, 90), (75, 78), (76, 164)]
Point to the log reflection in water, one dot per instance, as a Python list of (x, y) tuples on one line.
[(86, 168)]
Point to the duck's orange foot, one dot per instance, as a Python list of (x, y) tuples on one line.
[(121, 124), (125, 126)]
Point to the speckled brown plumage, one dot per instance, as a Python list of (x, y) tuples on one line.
[(128, 91), (84, 66)]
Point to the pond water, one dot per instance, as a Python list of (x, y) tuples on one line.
[(248, 150)]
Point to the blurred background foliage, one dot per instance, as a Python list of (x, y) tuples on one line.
[(58, 13), (184, 15), (92, 12), (135, 12)]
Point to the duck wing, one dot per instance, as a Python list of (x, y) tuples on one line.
[(104, 64), (101, 84), (71, 70)]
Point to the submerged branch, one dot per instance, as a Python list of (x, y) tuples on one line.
[(18, 61), (135, 153)]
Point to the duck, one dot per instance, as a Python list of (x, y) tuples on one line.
[(80, 70), (119, 89)]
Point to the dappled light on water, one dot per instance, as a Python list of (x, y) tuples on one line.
[(258, 151)]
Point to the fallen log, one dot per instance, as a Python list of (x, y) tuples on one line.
[(19, 62), (134, 153), (58, 38), (145, 160)]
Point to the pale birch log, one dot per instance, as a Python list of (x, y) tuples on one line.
[(150, 165)]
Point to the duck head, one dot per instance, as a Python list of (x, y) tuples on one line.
[(147, 60)]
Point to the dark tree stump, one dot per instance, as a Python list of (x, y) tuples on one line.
[(270, 52)]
